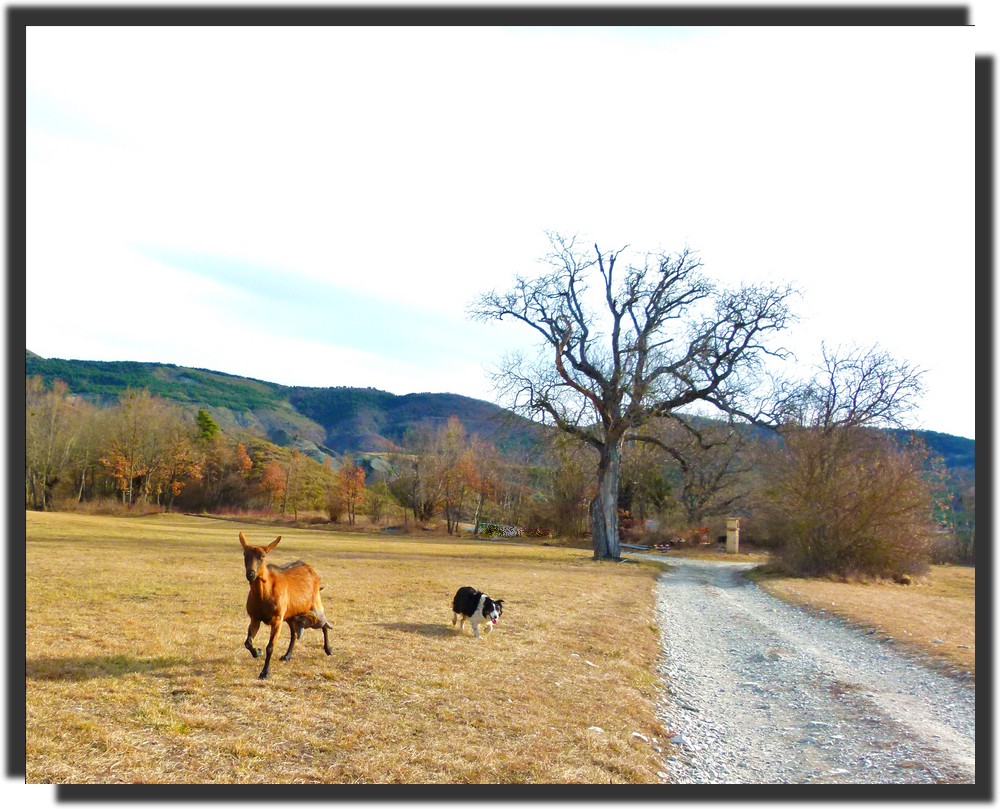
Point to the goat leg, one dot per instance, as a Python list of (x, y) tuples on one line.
[(251, 634), (275, 626), (296, 630)]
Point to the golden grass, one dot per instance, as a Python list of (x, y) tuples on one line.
[(136, 670), (935, 616)]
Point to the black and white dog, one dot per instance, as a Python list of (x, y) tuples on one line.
[(474, 605)]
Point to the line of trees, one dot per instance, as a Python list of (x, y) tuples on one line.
[(826, 489), (141, 450), (146, 452)]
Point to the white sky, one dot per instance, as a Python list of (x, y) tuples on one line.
[(319, 206)]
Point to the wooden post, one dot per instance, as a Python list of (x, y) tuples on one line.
[(732, 535)]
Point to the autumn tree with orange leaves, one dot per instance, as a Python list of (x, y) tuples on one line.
[(485, 470), (349, 487), (454, 470), (178, 465), (272, 483)]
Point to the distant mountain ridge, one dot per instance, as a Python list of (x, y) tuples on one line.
[(335, 420), (319, 421)]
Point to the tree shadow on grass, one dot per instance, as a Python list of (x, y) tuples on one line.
[(88, 668), (434, 630)]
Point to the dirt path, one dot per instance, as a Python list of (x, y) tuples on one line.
[(760, 691)]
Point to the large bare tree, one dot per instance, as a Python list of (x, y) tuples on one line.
[(645, 342)]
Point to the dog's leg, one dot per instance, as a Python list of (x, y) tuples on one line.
[(475, 627), (454, 619)]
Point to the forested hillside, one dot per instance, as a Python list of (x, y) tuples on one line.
[(319, 421), (955, 451), (102, 382), (335, 419)]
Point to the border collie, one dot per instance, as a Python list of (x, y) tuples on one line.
[(474, 605)]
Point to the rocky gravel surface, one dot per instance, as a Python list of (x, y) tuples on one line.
[(762, 692)]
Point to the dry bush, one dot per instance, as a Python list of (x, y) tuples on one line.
[(849, 502)]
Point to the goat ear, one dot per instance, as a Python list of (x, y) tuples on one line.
[(273, 545), (243, 540)]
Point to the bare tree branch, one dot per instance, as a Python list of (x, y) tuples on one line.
[(859, 388)]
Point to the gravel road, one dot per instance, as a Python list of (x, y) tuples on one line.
[(761, 692)]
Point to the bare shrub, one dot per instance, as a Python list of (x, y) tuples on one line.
[(851, 502)]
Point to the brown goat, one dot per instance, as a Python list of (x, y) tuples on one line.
[(287, 593)]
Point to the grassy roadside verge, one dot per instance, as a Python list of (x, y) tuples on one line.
[(136, 670), (934, 618)]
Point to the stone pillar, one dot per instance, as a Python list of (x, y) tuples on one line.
[(732, 535)]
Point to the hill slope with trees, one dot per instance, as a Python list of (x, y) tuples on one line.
[(336, 419), (318, 421)]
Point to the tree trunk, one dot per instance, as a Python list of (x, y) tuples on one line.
[(604, 506), (83, 484), (36, 502), (284, 494), (456, 514), (479, 511)]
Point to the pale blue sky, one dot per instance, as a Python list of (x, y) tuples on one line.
[(319, 206)]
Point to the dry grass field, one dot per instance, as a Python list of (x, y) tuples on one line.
[(136, 670), (935, 617)]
